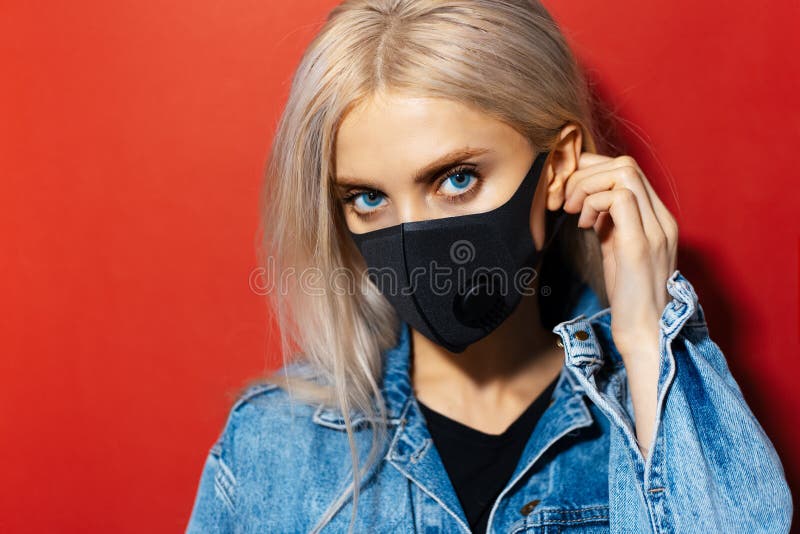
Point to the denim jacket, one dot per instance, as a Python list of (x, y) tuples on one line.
[(281, 465)]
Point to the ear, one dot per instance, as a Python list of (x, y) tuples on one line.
[(562, 163)]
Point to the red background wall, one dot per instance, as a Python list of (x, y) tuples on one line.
[(132, 138)]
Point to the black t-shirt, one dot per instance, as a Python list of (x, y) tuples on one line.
[(479, 465)]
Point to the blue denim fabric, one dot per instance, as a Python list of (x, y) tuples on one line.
[(279, 466)]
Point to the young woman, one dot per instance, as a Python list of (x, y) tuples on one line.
[(483, 326)]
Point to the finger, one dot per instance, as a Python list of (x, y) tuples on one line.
[(629, 235), (668, 240), (665, 219), (588, 159), (591, 163), (622, 176)]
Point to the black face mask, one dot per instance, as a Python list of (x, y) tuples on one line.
[(455, 279)]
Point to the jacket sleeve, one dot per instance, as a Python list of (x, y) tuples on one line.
[(213, 508), (711, 467)]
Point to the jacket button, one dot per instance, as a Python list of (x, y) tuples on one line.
[(529, 506), (582, 335)]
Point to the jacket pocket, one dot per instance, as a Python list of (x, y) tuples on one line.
[(584, 520)]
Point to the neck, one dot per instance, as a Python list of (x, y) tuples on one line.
[(520, 352)]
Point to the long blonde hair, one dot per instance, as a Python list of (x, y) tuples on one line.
[(506, 58)]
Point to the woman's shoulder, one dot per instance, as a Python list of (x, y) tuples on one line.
[(269, 456), (264, 414)]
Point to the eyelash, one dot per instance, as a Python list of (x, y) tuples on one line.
[(350, 197)]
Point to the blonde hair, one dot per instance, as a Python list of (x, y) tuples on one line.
[(506, 58)]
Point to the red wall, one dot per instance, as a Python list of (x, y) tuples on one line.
[(132, 138)]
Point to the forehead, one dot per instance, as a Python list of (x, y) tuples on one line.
[(403, 130)]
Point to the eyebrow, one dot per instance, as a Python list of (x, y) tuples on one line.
[(433, 168)]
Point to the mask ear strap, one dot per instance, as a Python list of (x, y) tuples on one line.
[(553, 219)]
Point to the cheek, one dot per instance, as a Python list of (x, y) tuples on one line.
[(351, 222)]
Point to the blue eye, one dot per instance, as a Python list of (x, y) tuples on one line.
[(368, 200), (458, 182)]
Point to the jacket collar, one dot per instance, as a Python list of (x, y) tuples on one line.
[(395, 385)]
